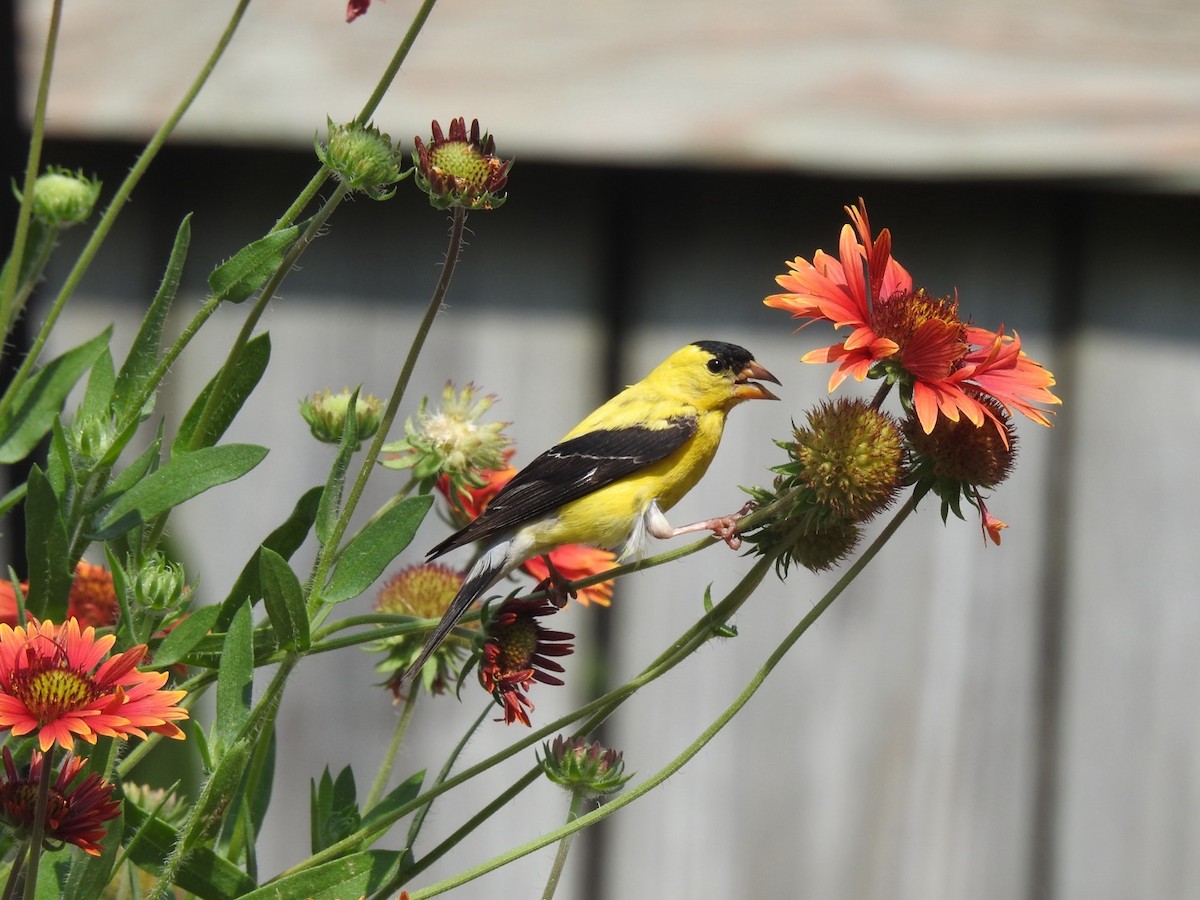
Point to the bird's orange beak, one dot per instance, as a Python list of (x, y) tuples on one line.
[(745, 389)]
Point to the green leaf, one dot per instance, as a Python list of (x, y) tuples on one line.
[(202, 872), (372, 549), (132, 475), (184, 636), (333, 809), (239, 277), (284, 540), (59, 468), (250, 368), (89, 875), (12, 498), (284, 599), (360, 875), (40, 399), (181, 478), (384, 812), (99, 387), (46, 551), (235, 681), (142, 359), (331, 499)]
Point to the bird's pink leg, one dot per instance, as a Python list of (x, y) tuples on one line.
[(558, 588), (724, 527)]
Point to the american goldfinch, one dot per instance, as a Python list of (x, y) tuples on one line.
[(610, 480)]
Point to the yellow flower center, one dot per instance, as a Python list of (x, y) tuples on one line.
[(48, 692), (518, 643), (462, 162), (424, 591)]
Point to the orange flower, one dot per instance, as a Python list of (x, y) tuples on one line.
[(74, 815), (908, 335), (92, 600), (575, 562), (52, 682)]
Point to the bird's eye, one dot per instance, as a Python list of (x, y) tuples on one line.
[(715, 366)]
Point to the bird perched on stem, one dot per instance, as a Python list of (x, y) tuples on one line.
[(611, 479)]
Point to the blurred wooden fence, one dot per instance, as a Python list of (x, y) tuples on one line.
[(965, 722)]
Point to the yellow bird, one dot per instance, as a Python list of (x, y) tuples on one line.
[(610, 480)]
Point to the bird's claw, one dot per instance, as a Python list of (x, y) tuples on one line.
[(726, 527), (558, 589)]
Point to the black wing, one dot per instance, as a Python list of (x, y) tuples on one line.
[(568, 471)]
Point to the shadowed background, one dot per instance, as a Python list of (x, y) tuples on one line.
[(966, 721)]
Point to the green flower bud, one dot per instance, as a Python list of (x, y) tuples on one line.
[(363, 158), (62, 199), (585, 768), (159, 583), (325, 412)]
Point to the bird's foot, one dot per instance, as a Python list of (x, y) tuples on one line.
[(558, 588), (725, 527)]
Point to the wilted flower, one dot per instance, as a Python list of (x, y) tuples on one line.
[(325, 412), (450, 442), (588, 769), (62, 198), (461, 170), (516, 653), (356, 8), (74, 814), (955, 460), (942, 364), (424, 591), (362, 157), (850, 456), (52, 682)]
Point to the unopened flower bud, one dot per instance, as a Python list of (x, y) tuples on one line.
[(363, 158), (325, 412), (824, 547), (580, 767), (159, 583), (62, 198)]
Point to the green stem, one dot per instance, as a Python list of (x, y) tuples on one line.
[(699, 743), (328, 552), (8, 290), (389, 758), (564, 847), (221, 385), (124, 192), (38, 830), (14, 871), (381, 88), (414, 829)]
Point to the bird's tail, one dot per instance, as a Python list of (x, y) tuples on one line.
[(488, 569)]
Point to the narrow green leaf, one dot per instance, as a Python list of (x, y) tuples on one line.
[(142, 359), (284, 540), (331, 499), (12, 498), (59, 468), (384, 812), (243, 274), (181, 478), (360, 875), (46, 551), (235, 680), (184, 636), (99, 387), (130, 476), (372, 549), (40, 399), (89, 875), (283, 598), (334, 809), (250, 368), (202, 873)]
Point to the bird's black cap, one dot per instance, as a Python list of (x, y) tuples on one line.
[(735, 357)]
